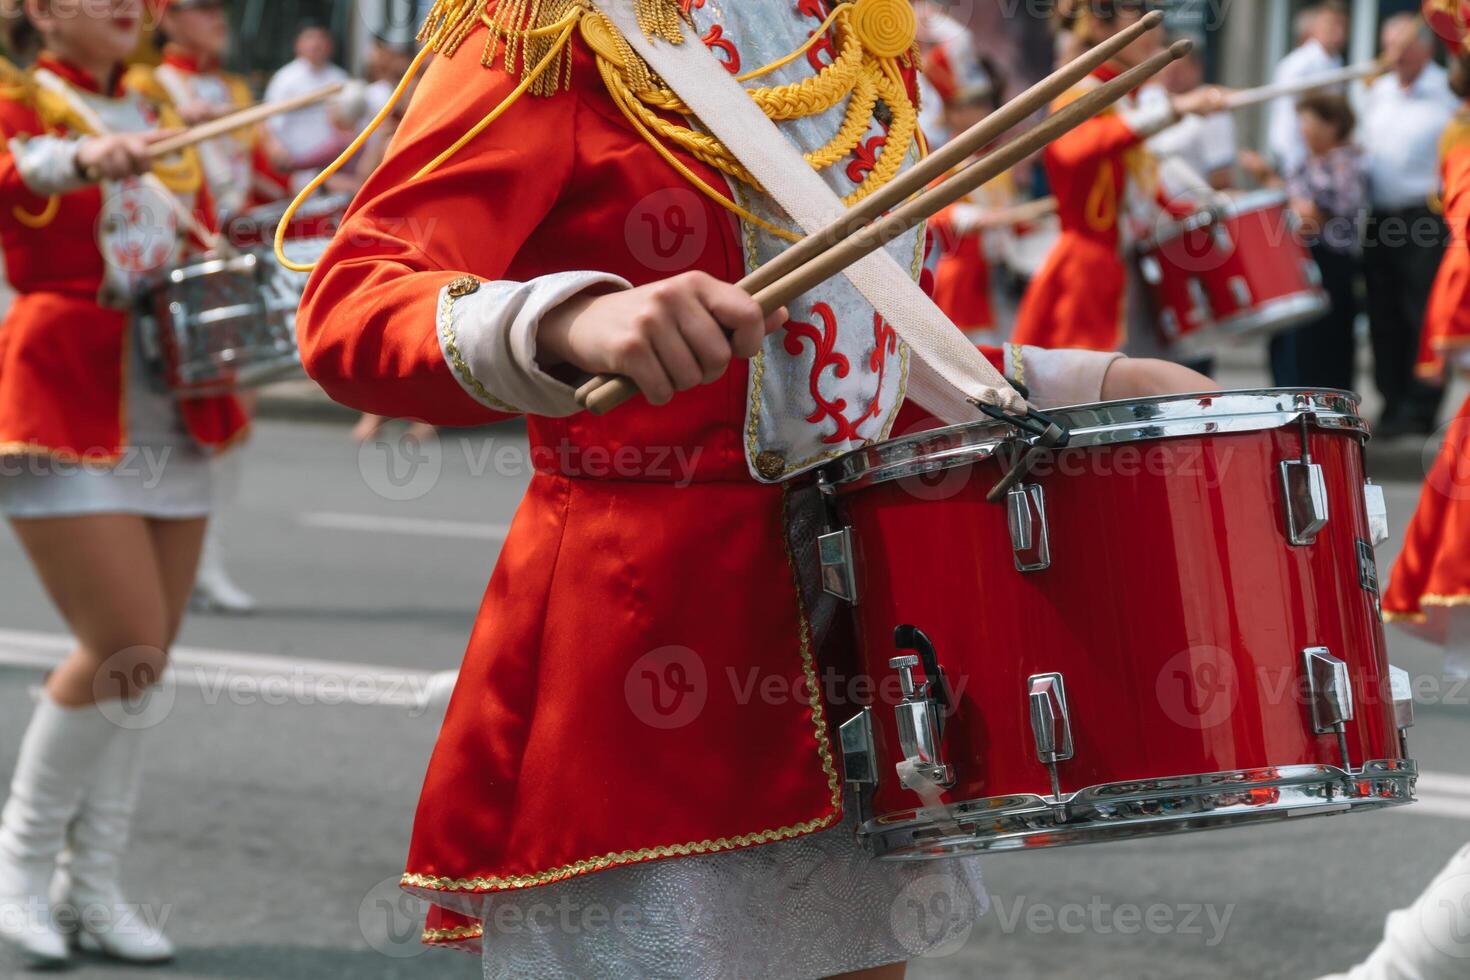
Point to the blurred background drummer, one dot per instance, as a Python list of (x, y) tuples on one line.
[(194, 37), (969, 89), (1102, 177), (1429, 588), (105, 481)]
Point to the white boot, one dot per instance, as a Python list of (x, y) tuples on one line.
[(58, 757), (214, 590), (1429, 940), (88, 901)]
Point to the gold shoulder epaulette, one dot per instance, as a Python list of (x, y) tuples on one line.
[(524, 32)]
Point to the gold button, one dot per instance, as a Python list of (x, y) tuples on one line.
[(598, 34), (463, 286), (885, 28), (770, 465)]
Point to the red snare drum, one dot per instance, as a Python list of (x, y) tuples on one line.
[(318, 217), (1237, 269), (1173, 626)]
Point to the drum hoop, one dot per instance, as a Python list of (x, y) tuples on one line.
[(1257, 200), (1102, 424)]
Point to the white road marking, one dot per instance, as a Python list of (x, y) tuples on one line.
[(1444, 782), (243, 677), (419, 526), (1435, 805)]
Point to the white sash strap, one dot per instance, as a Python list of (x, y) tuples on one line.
[(948, 368)]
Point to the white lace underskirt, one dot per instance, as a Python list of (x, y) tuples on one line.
[(162, 473), (811, 907)]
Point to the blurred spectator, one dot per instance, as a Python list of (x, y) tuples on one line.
[(1328, 191), (309, 137), (387, 63), (1405, 114), (1206, 144), (1321, 35)]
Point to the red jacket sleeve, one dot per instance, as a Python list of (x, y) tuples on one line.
[(367, 325), (1101, 136)]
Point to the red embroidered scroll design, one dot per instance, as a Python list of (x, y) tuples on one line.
[(825, 355), (822, 52), (715, 38)]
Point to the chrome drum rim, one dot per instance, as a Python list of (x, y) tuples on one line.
[(1102, 424), (1140, 808)]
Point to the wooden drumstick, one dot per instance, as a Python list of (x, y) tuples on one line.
[(224, 125), (934, 166), (1265, 93), (603, 396)]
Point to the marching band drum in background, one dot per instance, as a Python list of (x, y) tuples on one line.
[(1233, 270)]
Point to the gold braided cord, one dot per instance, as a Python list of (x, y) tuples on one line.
[(854, 75), (808, 97), (785, 60), (900, 134), (630, 108), (872, 36), (36, 222)]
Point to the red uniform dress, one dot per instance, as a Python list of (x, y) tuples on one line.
[(1432, 574), (238, 169), (74, 253), (603, 715), (1445, 340), (1078, 297), (962, 275)]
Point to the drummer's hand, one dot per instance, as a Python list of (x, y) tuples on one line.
[(667, 336), (118, 156), (1256, 166), (1140, 377), (1203, 101), (199, 111)]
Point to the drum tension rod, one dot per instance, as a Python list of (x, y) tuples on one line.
[(907, 637), (1048, 432)]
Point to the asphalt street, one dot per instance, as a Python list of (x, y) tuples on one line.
[(283, 779)]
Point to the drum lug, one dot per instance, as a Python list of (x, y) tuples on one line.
[(1240, 290), (859, 756), (1377, 512), (839, 570), (1030, 534), (920, 726), (1304, 492), (1149, 267), (1402, 690), (1169, 323), (1051, 723), (1330, 691)]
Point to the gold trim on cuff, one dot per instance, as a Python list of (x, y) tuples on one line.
[(453, 291)]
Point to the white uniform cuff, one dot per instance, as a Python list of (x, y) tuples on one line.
[(1153, 116), (1059, 377), (487, 333), (48, 164)]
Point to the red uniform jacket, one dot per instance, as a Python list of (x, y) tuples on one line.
[(962, 276), (1447, 316), (1077, 299), (63, 353), (1432, 572)]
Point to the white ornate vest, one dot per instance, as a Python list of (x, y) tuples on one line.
[(833, 380)]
